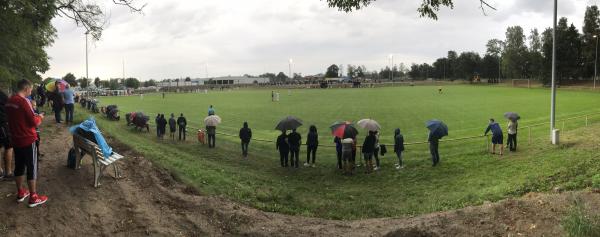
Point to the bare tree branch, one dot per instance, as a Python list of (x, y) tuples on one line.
[(428, 8), (89, 15)]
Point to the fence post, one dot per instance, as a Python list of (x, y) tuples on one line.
[(529, 140), (563, 127), (586, 120)]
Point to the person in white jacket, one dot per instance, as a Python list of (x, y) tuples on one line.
[(512, 135)]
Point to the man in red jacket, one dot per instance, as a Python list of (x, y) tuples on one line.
[(22, 122)]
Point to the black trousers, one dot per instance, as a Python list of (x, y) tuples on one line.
[(283, 158), (211, 140), (512, 142), (435, 155), (376, 155), (294, 156), (339, 159), (311, 151), (181, 132), (245, 148)]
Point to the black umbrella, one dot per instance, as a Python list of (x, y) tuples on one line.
[(512, 116), (289, 123), (438, 128)]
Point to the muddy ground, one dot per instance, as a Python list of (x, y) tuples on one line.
[(148, 201)]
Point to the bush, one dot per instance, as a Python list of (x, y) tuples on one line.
[(596, 181)]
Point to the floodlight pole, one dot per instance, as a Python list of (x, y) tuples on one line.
[(553, 89), (290, 67), (392, 67)]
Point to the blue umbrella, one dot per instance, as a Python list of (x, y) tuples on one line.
[(437, 128)]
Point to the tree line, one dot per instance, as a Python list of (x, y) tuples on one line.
[(112, 84), (521, 56)]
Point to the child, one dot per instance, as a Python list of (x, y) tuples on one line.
[(399, 147)]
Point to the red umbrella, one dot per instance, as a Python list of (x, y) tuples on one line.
[(343, 129)]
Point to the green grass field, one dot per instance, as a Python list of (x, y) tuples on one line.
[(467, 175)]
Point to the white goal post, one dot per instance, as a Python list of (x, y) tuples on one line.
[(521, 83)]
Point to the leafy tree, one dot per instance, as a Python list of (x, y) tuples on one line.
[(70, 78), (420, 71), (591, 27), (490, 67), (452, 64), (514, 54), (26, 30), (281, 77), (351, 71), (360, 71), (83, 82), (272, 77), (97, 82), (105, 84), (114, 84), (428, 8), (149, 83), (332, 71), (468, 64), (534, 57), (568, 50), (132, 83)]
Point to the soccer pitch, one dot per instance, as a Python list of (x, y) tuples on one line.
[(467, 174)]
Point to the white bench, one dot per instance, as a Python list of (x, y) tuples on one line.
[(84, 146)]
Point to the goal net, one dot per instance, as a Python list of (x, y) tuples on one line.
[(521, 83)]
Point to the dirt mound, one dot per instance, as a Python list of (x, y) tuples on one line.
[(150, 201)]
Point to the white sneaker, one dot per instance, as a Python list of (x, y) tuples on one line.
[(313, 165), (306, 165), (376, 168)]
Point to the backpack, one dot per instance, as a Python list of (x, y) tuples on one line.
[(72, 159)]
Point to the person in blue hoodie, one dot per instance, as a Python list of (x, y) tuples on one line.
[(497, 137)]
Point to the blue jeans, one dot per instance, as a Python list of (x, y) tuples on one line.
[(69, 112)]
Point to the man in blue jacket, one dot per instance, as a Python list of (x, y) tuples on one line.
[(497, 137)]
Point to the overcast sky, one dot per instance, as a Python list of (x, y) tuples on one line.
[(179, 38)]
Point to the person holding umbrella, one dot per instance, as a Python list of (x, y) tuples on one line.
[(342, 130), (284, 142), (437, 130), (497, 137), (399, 147), (512, 128), (211, 123), (284, 148), (294, 140), (513, 125), (312, 142)]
